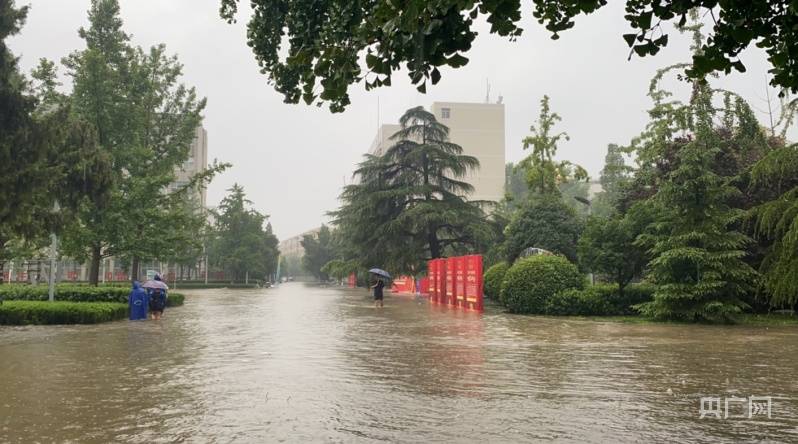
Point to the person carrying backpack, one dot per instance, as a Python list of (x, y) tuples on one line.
[(156, 289)]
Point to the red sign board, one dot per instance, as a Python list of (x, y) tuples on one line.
[(456, 281), (352, 280), (450, 298)]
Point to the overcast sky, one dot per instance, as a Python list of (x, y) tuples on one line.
[(293, 159)]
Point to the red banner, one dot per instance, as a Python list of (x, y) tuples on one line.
[(456, 281), (352, 280), (459, 280), (473, 282), (403, 284), (451, 297), (423, 286)]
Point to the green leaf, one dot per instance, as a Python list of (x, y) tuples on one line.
[(456, 61), (644, 20), (436, 76), (630, 39)]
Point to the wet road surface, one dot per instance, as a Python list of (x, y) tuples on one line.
[(301, 363)]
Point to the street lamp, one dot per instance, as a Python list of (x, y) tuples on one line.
[(53, 253)]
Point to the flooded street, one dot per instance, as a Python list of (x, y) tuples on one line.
[(300, 363)]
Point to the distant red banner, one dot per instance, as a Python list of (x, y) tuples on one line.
[(456, 281), (403, 284), (352, 280)]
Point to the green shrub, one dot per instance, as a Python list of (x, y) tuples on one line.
[(574, 302), (43, 312), (75, 293), (633, 294), (493, 279), (530, 282), (599, 300)]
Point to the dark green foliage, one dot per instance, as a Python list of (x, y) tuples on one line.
[(77, 293), (698, 252), (319, 250), (311, 51), (532, 281), (40, 313), (144, 121), (493, 279), (340, 269), (243, 243), (776, 220), (591, 301), (408, 206), (543, 222), (600, 300), (607, 246)]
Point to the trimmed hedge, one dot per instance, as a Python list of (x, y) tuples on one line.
[(43, 312), (76, 293), (599, 300), (492, 280), (575, 302), (532, 281)]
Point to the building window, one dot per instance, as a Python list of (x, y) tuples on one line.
[(446, 113)]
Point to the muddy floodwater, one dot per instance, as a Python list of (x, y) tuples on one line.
[(305, 364)]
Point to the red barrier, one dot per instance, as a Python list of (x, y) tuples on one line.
[(456, 281), (473, 282), (459, 280), (451, 297), (423, 286), (352, 280), (403, 284)]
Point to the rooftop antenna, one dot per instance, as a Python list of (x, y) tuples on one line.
[(487, 93)]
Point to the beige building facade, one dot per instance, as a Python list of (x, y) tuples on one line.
[(479, 129), (196, 163)]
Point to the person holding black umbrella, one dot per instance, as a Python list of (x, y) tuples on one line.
[(379, 285)]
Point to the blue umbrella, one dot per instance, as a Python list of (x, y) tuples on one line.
[(380, 272)]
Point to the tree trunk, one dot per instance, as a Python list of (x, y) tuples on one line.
[(434, 244), (94, 268), (135, 265)]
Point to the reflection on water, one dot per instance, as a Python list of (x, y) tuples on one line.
[(300, 363)]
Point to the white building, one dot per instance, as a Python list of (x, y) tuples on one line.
[(479, 129), (196, 163)]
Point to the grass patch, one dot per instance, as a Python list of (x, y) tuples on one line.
[(772, 319), (49, 313)]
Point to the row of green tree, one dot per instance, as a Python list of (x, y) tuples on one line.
[(707, 211), (102, 150), (95, 161)]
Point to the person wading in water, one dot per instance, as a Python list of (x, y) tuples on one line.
[(378, 292)]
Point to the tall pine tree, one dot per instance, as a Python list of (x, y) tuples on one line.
[(696, 246)]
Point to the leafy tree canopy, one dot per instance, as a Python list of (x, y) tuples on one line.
[(243, 246), (409, 204), (319, 250), (303, 45)]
